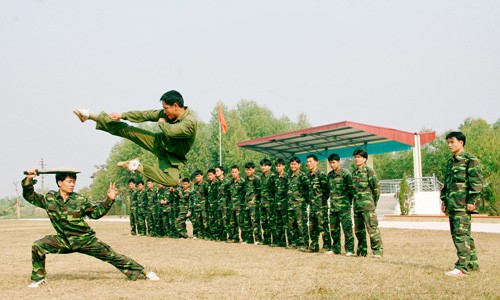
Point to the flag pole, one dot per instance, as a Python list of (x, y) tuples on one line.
[(220, 144)]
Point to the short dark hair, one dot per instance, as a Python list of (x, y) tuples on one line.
[(361, 153), (266, 162), (334, 156), (295, 159), (140, 181), (198, 172), (61, 176), (212, 170), (456, 134), (185, 179), (221, 168), (279, 161), (249, 165), (235, 167), (131, 180), (313, 156), (172, 97)]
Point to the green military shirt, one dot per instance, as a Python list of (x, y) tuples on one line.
[(132, 200), (252, 190), (68, 217), (463, 182), (179, 134), (340, 184), (298, 189), (201, 190), (234, 192), (186, 199), (318, 189), (267, 189), (366, 189), (281, 190)]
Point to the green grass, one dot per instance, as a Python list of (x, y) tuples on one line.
[(412, 268)]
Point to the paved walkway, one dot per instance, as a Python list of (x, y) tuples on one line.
[(476, 227)]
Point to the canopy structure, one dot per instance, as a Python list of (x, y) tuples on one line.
[(341, 138)]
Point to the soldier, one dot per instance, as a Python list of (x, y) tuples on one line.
[(177, 133), (223, 221), (252, 233), (267, 205), (133, 206), (340, 185), (366, 192), (234, 194), (163, 221), (213, 205), (67, 211), (298, 194), (141, 200), (186, 199), (281, 203), (173, 200), (318, 205), (200, 217), (460, 196), (151, 208)]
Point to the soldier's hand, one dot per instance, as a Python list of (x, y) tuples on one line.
[(112, 192), (30, 176), (115, 116), (471, 207), (162, 120)]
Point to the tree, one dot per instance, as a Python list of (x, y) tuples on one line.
[(405, 196)]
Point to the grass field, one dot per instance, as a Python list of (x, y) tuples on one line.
[(412, 268)]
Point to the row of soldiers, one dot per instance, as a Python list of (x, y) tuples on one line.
[(292, 209)]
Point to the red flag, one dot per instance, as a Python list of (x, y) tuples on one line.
[(222, 120)]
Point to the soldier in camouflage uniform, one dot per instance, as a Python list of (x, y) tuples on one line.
[(200, 210), (141, 200), (186, 198), (318, 205), (213, 205), (366, 192), (67, 211), (223, 222), (460, 198), (298, 198), (252, 232), (267, 205), (173, 200), (163, 224), (151, 208), (133, 206), (280, 203), (235, 199), (340, 185)]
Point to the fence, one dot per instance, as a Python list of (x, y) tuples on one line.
[(424, 184)]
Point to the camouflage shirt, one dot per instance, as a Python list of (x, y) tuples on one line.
[(281, 190), (267, 189), (234, 192), (340, 185), (463, 182), (68, 217), (252, 190), (152, 199), (201, 191), (212, 193), (132, 200), (298, 189), (318, 190), (186, 199), (366, 189)]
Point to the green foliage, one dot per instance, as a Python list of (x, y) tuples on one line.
[(405, 196)]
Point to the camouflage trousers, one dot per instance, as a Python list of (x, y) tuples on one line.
[(200, 222), (266, 219), (54, 244), (318, 226), (252, 232), (141, 221), (338, 218), (163, 225), (460, 226), (180, 223), (235, 223), (150, 222), (366, 220), (280, 220), (297, 224), (133, 222)]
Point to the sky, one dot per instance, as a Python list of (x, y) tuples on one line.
[(408, 65)]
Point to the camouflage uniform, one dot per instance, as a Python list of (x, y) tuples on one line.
[(214, 212), (200, 218), (281, 208), (366, 192), (252, 230), (340, 184), (151, 211), (73, 233), (141, 211), (318, 210), (133, 211), (298, 194), (462, 185), (223, 222), (235, 199), (172, 208), (267, 208), (162, 225), (186, 199)]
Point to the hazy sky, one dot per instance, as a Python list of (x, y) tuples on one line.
[(407, 65)]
